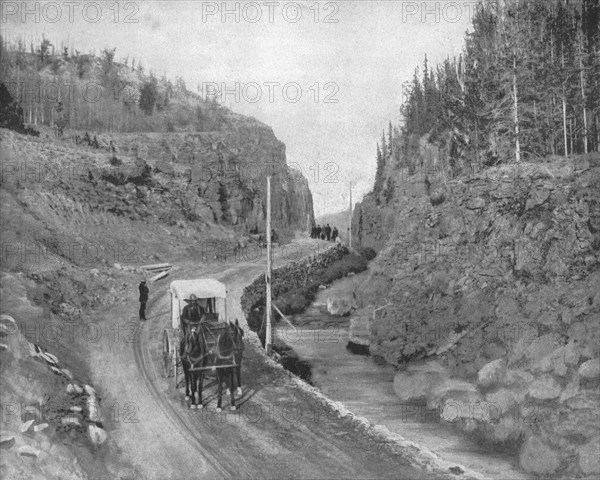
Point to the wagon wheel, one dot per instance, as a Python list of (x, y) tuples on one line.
[(168, 355), (175, 366)]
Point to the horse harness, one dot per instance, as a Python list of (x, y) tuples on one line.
[(212, 334)]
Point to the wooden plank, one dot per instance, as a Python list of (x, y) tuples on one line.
[(159, 276), (157, 266), (159, 270)]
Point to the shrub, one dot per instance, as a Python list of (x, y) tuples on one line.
[(367, 253), (11, 114), (291, 303), (437, 198)]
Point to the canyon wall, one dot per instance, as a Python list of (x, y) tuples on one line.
[(227, 171), (493, 281)]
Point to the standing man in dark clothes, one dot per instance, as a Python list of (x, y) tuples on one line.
[(143, 299), (334, 234), (328, 232), (318, 232)]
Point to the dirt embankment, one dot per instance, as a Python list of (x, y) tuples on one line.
[(495, 279), (52, 422)]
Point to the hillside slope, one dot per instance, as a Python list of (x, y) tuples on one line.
[(57, 194)]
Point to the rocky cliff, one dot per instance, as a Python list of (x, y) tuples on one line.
[(494, 279), (223, 174)]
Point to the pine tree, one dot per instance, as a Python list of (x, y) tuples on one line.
[(148, 96), (379, 173), (390, 142)]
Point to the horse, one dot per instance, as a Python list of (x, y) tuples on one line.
[(238, 340), (206, 347), (189, 349)]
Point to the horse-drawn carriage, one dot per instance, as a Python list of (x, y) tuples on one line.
[(208, 342)]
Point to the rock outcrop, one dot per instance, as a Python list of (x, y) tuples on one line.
[(225, 173), (497, 276)]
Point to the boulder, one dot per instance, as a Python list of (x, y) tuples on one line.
[(544, 388), (553, 363), (74, 389), (586, 400), (572, 352), (589, 458), (491, 373), (26, 425), (40, 427), (89, 390), (505, 430), (590, 369), (582, 423), (466, 405), (517, 378), (504, 400), (359, 331), (9, 322), (28, 451), (535, 348), (7, 440), (97, 434), (537, 197), (70, 420), (93, 409), (340, 306), (418, 380), (49, 358), (458, 391), (475, 203), (571, 390), (537, 457), (413, 387)]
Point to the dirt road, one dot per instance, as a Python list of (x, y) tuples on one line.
[(279, 430)]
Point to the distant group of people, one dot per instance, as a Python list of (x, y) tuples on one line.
[(325, 233), (87, 140)]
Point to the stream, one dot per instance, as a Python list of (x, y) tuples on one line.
[(366, 388)]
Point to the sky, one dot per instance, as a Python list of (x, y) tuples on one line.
[(327, 76)]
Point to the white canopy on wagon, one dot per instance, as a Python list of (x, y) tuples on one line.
[(211, 292)]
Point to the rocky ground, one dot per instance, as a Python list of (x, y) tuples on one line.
[(494, 279)]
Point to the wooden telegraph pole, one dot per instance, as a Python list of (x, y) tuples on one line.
[(268, 339), (350, 220)]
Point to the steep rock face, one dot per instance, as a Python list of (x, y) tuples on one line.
[(502, 265), (225, 173)]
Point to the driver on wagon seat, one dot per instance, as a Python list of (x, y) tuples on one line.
[(192, 312)]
